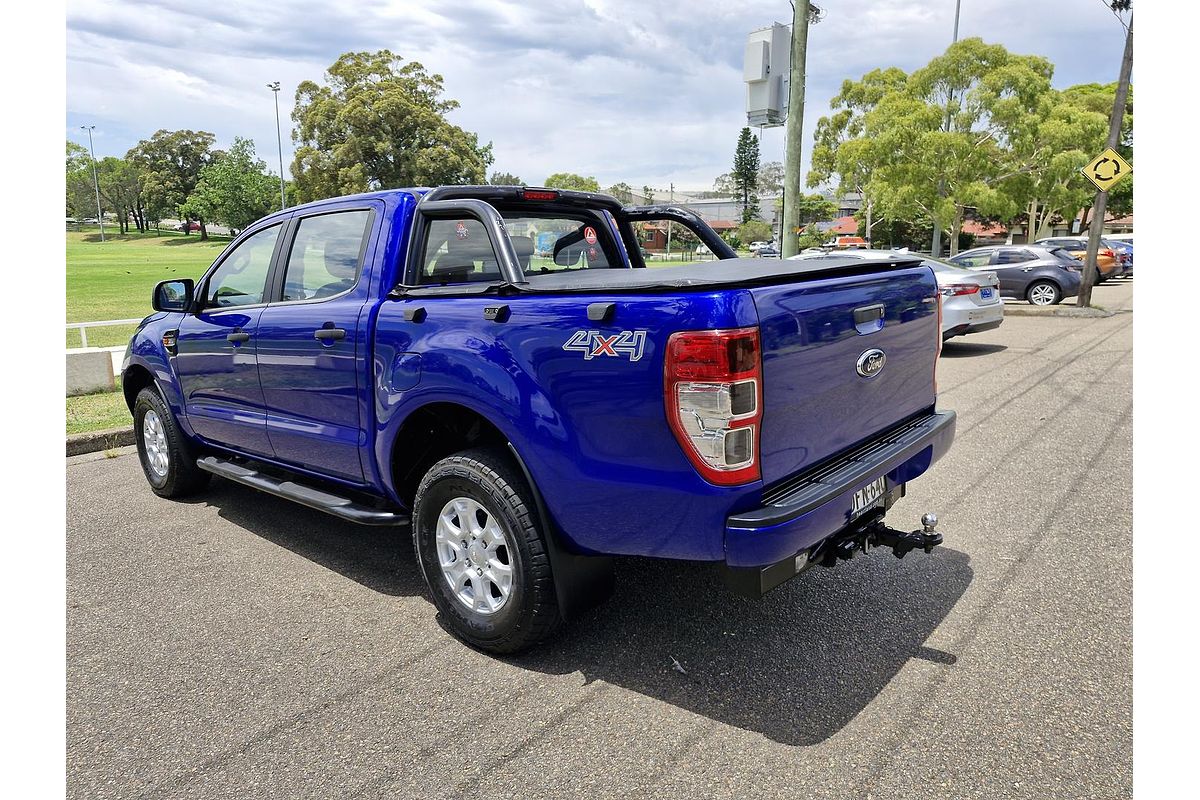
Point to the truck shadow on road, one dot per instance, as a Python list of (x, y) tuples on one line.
[(796, 666), (954, 349)]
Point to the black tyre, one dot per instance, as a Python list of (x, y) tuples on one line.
[(168, 459), (483, 552), (1043, 293)]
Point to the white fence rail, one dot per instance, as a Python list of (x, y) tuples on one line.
[(83, 326)]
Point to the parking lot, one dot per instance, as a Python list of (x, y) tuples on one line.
[(241, 646)]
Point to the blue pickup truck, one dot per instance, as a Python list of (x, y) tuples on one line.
[(498, 368)]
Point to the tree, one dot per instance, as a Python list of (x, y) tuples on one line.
[(1062, 137), (120, 187), (168, 166), (745, 173), (235, 189), (569, 180), (840, 153), (755, 230), (81, 194), (649, 195), (505, 179), (944, 141), (724, 186), (379, 122), (622, 191), (770, 178), (815, 208)]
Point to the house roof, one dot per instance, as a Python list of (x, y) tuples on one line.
[(844, 225), (977, 228)]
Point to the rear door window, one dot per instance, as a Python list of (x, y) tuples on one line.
[(1010, 256), (325, 255), (458, 251)]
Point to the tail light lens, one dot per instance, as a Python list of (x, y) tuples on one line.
[(713, 398), (952, 289)]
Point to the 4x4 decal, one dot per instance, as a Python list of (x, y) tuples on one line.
[(594, 343)]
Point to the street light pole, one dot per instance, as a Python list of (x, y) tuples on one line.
[(95, 180), (936, 246), (274, 87)]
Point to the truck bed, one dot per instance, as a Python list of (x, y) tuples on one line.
[(698, 275)]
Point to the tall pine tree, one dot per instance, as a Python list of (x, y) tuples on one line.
[(745, 173)]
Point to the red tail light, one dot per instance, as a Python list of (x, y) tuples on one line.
[(952, 289), (539, 194), (713, 398)]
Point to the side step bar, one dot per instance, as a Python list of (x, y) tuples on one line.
[(342, 507)]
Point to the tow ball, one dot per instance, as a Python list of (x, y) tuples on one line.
[(875, 534), (925, 539)]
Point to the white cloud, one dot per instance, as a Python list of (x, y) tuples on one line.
[(619, 89)]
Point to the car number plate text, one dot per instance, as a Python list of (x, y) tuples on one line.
[(867, 496)]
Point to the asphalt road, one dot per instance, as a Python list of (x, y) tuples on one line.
[(240, 646)]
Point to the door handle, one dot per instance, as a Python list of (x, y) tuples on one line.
[(238, 336), (329, 334)]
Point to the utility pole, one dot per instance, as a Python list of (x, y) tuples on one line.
[(274, 87), (936, 247), (95, 180), (1114, 134), (802, 13)]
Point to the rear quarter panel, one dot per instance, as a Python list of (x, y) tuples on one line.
[(593, 432)]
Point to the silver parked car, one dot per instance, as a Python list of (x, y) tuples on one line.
[(970, 298)]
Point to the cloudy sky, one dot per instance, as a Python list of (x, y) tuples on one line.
[(644, 92)]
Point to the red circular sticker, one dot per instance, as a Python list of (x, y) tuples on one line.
[(460, 231), (589, 234)]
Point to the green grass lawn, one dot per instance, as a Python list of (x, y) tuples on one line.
[(113, 279), (97, 412)]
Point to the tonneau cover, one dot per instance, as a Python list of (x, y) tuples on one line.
[(701, 274)]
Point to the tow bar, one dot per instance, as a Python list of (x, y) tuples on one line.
[(873, 533)]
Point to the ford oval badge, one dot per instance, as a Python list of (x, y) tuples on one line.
[(871, 363)]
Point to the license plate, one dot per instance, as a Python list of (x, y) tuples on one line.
[(987, 293), (868, 496)]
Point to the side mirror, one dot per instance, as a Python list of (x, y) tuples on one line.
[(174, 295)]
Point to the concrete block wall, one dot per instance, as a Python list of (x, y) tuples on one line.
[(89, 370)]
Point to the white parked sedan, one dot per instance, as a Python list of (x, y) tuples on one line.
[(970, 298)]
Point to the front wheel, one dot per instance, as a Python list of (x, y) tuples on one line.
[(168, 459), (1043, 293), (483, 553)]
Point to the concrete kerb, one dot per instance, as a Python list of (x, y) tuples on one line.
[(95, 441), (1056, 311)]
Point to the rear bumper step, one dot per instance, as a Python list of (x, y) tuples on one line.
[(861, 536), (338, 506)]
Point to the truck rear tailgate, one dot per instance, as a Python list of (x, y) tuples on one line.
[(816, 402)]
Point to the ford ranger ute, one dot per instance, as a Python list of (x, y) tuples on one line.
[(497, 368)]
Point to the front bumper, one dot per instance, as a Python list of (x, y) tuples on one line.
[(801, 512)]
